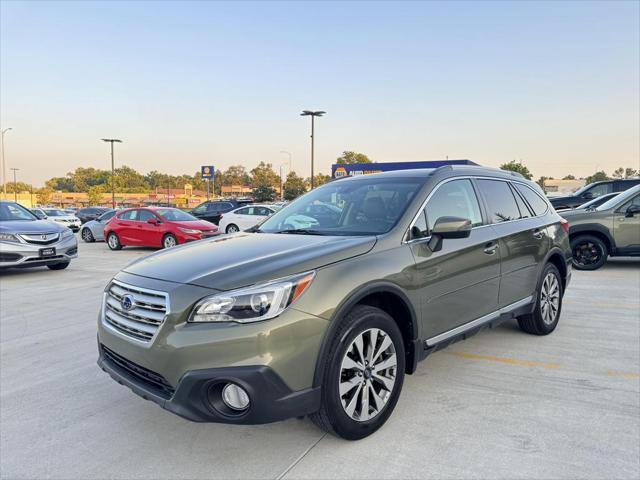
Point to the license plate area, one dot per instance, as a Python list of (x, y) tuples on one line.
[(47, 252)]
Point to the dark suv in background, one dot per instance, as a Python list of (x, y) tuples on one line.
[(90, 213), (326, 319), (591, 191), (212, 209)]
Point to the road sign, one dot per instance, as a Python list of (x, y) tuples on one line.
[(207, 171)]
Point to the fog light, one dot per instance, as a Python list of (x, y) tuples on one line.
[(235, 397)]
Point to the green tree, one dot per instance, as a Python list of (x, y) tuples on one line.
[(235, 175), (568, 177), (128, 180), (540, 182), (18, 187), (618, 173), (348, 157), (630, 173), (264, 193), (597, 177), (294, 186), (94, 194), (320, 179), (517, 167), (263, 175), (43, 195)]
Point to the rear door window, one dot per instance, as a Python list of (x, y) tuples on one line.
[(144, 215), (131, 215), (535, 201), (601, 189), (501, 203)]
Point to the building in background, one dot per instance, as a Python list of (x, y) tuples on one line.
[(554, 187)]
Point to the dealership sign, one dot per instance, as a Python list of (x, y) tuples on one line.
[(207, 171)]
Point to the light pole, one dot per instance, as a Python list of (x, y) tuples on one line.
[(289, 154), (313, 115), (15, 185), (113, 185), (4, 164), (281, 182)]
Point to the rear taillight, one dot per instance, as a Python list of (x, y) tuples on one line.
[(565, 225)]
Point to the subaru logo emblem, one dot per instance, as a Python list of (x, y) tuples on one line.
[(126, 302)]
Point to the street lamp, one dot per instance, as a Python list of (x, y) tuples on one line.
[(313, 115), (4, 165), (289, 154), (281, 182), (113, 187), (15, 185)]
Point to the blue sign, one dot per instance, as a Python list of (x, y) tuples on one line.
[(207, 171), (344, 170)]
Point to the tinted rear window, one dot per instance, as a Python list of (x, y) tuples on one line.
[(500, 201), (537, 204)]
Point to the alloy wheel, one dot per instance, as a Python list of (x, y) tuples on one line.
[(113, 241), (169, 242), (549, 298), (232, 229), (86, 235), (367, 374), (587, 253)]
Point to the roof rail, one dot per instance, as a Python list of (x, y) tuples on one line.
[(478, 167)]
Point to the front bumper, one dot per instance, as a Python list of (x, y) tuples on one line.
[(198, 394), (22, 255)]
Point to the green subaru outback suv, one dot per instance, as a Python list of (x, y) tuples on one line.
[(323, 308)]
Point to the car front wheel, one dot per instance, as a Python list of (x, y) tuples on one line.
[(232, 228), (169, 241), (589, 252), (363, 374)]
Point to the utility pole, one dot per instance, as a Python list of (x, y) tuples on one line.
[(15, 185), (289, 155), (113, 185), (282, 182), (313, 115), (4, 165)]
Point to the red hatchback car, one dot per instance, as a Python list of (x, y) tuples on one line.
[(155, 227)]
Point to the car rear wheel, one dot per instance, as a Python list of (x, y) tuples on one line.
[(87, 236), (589, 252), (169, 241), (546, 314), (113, 241), (232, 228), (363, 374), (58, 266)]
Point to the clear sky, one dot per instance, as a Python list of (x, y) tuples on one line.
[(555, 84)]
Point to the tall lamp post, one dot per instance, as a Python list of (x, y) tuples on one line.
[(113, 185), (4, 164), (289, 154), (15, 185), (281, 182), (313, 115)]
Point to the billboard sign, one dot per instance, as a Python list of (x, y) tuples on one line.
[(207, 171)]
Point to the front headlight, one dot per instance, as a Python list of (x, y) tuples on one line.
[(8, 237), (67, 233), (189, 230), (252, 304)]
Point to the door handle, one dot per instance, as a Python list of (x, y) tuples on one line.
[(490, 248), (537, 234)]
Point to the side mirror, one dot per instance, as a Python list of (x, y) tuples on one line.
[(588, 195), (632, 210), (152, 221), (448, 227)]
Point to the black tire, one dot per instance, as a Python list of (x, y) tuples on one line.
[(87, 236), (58, 266), (169, 240), (114, 241), (589, 252), (538, 323), (232, 228), (332, 416)]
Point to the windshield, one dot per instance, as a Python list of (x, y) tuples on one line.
[(363, 206), (175, 215), (54, 212), (13, 211), (619, 199)]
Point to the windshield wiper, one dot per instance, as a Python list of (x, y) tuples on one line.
[(300, 231)]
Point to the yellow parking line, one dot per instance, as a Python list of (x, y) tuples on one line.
[(509, 361), (613, 373)]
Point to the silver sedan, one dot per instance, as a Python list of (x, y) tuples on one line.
[(92, 231)]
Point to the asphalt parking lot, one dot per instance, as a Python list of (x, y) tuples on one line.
[(500, 405)]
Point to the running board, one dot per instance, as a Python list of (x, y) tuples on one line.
[(478, 322)]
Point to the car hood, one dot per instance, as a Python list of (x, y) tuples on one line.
[(233, 261), (28, 226)]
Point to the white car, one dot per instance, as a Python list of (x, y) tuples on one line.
[(62, 218), (244, 217)]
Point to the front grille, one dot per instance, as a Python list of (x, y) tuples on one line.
[(144, 316), (43, 259), (40, 238), (151, 380)]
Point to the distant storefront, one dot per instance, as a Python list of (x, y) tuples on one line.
[(344, 170), (562, 187)]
